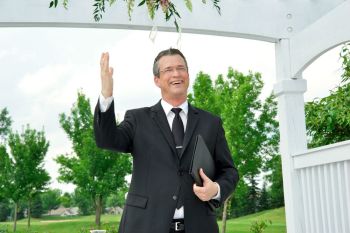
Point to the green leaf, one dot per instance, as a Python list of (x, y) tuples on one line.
[(177, 14), (188, 5), (131, 4), (167, 16), (216, 5), (141, 3), (111, 2), (65, 4), (151, 8), (51, 4)]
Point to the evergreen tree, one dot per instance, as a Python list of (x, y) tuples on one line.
[(253, 196), (264, 203), (37, 207)]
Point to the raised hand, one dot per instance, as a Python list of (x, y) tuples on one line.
[(209, 189), (106, 76)]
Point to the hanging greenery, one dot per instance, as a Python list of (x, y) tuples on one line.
[(166, 6)]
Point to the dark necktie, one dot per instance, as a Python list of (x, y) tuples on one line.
[(178, 133), (178, 129)]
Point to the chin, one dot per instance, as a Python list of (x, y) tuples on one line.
[(179, 96)]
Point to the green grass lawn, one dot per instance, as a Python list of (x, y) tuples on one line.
[(242, 224), (79, 224)]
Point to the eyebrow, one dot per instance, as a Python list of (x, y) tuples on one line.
[(180, 66)]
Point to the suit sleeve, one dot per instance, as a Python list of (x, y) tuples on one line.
[(227, 175), (109, 135)]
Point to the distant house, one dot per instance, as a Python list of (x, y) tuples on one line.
[(62, 211), (114, 210)]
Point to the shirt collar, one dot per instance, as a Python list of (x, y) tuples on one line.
[(167, 107)]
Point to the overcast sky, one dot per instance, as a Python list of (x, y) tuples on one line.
[(43, 68)]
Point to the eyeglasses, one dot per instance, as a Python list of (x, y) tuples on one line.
[(170, 70)]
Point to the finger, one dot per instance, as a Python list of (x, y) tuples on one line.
[(203, 176), (111, 71), (104, 62), (101, 59), (107, 61), (196, 189)]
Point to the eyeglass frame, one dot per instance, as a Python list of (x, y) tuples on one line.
[(170, 70)]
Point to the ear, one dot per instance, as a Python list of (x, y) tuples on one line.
[(156, 81)]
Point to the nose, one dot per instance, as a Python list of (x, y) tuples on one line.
[(176, 72)]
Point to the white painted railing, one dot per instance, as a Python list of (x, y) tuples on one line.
[(324, 175)]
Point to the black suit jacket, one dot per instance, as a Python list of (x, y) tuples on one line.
[(159, 174)]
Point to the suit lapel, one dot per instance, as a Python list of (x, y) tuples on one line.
[(159, 117), (192, 120)]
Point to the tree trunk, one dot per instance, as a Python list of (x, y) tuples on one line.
[(98, 210), (224, 214), (28, 212), (15, 218)]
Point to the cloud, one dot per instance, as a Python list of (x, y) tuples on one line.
[(44, 80), (18, 54), (323, 74), (6, 53)]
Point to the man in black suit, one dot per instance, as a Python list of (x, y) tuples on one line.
[(162, 196)]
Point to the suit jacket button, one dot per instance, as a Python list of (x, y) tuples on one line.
[(174, 197)]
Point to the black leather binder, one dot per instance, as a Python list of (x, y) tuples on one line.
[(201, 159)]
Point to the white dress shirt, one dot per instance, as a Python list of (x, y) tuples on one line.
[(105, 103)]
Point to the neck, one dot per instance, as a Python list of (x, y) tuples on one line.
[(175, 102)]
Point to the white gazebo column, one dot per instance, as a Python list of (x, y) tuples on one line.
[(289, 90)]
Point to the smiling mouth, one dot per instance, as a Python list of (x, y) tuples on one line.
[(177, 82)]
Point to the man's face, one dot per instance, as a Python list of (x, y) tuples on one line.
[(173, 77)]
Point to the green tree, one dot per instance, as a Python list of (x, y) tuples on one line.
[(37, 207), (275, 178), (328, 119), (83, 201), (264, 202), (117, 198), (50, 199), (5, 209), (253, 196), (28, 151), (5, 129), (239, 203), (5, 124), (95, 171), (345, 58), (66, 200), (246, 118), (11, 186)]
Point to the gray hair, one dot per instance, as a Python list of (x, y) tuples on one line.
[(167, 52)]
